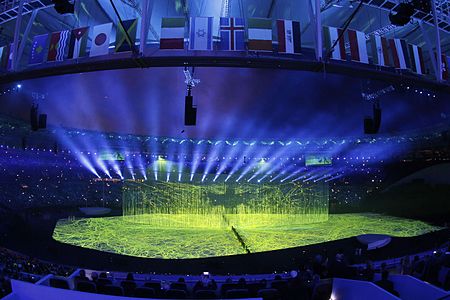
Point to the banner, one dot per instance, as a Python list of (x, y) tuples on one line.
[(37, 54), (200, 34), (78, 42), (100, 40), (172, 33), (289, 36), (232, 34), (260, 34), (58, 44), (122, 44)]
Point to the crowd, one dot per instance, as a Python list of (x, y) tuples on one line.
[(310, 281), (14, 265), (42, 179)]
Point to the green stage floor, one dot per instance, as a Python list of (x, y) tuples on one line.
[(154, 239)]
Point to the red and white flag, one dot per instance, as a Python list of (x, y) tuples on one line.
[(415, 53), (331, 35), (289, 36), (380, 51), (358, 48), (100, 39)]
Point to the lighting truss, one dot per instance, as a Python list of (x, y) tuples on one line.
[(442, 9), (10, 9)]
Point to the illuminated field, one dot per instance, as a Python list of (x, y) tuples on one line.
[(154, 239)]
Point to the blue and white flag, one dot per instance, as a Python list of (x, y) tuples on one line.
[(38, 49), (200, 34), (232, 34)]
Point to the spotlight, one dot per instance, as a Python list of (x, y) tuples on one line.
[(19, 86), (64, 6), (401, 15)]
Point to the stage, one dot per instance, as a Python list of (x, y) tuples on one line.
[(174, 236)]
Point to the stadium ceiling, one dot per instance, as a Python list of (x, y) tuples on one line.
[(442, 9), (9, 9)]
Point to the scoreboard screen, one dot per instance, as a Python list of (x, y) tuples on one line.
[(111, 156), (318, 160)]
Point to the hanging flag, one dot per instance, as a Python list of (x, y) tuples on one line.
[(288, 36), (58, 44), (331, 35), (38, 49), (172, 33), (358, 48), (416, 55), (399, 57), (405, 51), (380, 50), (260, 34), (232, 34), (100, 40), (122, 44), (78, 42), (200, 33), (445, 72), (9, 56)]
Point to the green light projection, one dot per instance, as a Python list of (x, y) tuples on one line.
[(124, 236), (193, 220), (225, 204)]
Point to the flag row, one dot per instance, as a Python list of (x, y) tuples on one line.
[(386, 52), (72, 44), (234, 35)]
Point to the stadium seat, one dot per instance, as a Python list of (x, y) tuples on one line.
[(128, 287), (59, 283), (254, 287), (205, 294), (280, 285), (103, 281), (144, 292), (322, 291), (227, 286), (237, 293), (269, 294), (175, 294), (112, 290), (156, 285), (86, 286), (178, 286)]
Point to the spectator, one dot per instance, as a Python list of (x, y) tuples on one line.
[(130, 277), (81, 276), (94, 277), (368, 272), (386, 284)]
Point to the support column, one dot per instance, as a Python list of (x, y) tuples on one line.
[(27, 32), (144, 26), (438, 43), (318, 23), (15, 48), (429, 46)]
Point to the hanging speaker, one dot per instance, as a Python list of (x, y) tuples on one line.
[(34, 118), (42, 121), (190, 112)]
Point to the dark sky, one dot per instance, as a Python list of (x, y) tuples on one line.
[(232, 102)]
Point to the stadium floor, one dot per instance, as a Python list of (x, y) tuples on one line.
[(152, 240)]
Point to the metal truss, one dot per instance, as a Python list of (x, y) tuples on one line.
[(9, 9)]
